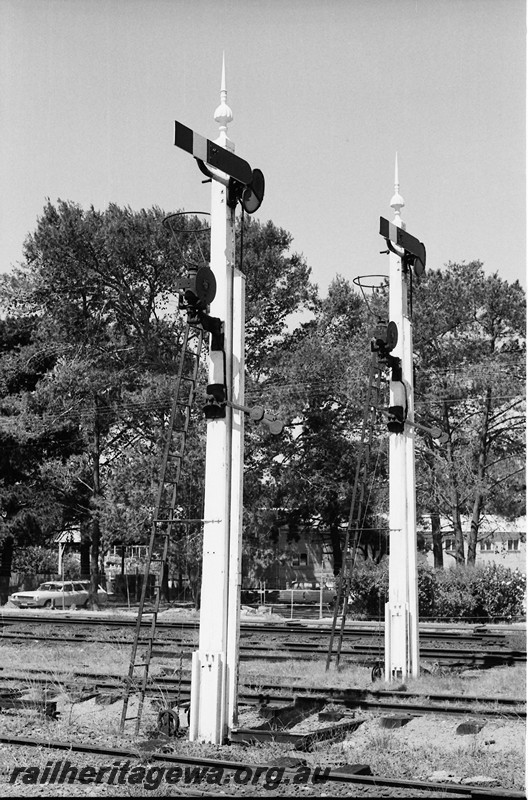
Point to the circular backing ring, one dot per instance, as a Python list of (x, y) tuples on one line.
[(365, 283), (361, 281), (170, 222), (192, 242)]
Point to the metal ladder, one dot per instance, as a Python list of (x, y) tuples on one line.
[(357, 507), (164, 520)]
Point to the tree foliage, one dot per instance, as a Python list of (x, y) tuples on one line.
[(316, 381), (89, 347), (470, 347), (101, 289), (277, 288), (98, 286)]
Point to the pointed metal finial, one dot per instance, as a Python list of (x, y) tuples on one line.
[(223, 90), (397, 202), (223, 114)]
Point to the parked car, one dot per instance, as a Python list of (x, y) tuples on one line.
[(306, 592), (57, 594), (257, 596)]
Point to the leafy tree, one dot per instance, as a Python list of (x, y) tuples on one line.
[(30, 512), (87, 363), (277, 288), (470, 349), (315, 380), (99, 285)]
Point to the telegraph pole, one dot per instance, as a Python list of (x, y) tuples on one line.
[(215, 663), (401, 610)]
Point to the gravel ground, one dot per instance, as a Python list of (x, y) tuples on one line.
[(426, 748), (91, 722)]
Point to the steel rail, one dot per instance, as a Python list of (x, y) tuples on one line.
[(334, 775), (283, 627), (258, 699), (462, 657), (306, 644), (296, 647), (80, 637), (258, 694), (332, 691), (362, 656)]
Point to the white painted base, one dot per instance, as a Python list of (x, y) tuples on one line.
[(207, 718), (397, 629)]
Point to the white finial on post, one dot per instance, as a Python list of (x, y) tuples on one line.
[(223, 114), (397, 202)]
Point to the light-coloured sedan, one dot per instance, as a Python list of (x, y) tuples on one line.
[(306, 592), (57, 594)]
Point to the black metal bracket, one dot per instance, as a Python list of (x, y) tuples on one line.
[(204, 169)]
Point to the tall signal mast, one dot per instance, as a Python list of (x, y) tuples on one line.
[(215, 663), (401, 610)]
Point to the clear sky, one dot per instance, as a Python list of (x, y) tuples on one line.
[(323, 93)]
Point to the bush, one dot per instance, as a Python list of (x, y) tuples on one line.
[(34, 560), (72, 566), (427, 589), (369, 589), (490, 592), (500, 591), (455, 598)]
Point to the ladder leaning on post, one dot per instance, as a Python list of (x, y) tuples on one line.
[(357, 507), (163, 521)]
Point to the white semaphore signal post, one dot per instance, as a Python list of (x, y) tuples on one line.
[(214, 677), (401, 610), (215, 663)]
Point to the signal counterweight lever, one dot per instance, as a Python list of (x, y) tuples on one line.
[(258, 414)]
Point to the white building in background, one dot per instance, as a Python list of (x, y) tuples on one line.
[(499, 540)]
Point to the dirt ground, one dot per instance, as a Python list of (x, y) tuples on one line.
[(425, 748)]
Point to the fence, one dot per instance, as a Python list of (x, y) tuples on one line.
[(291, 603)]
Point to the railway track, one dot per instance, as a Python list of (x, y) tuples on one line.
[(331, 779), (300, 635), (349, 707), (357, 650), (173, 689), (320, 629)]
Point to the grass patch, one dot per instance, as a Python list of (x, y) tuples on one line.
[(306, 674), (417, 750), (496, 682)]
